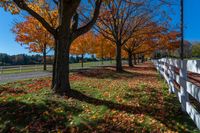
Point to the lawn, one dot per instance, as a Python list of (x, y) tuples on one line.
[(136, 100)]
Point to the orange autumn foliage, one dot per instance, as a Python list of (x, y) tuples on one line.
[(84, 44), (104, 48), (32, 34)]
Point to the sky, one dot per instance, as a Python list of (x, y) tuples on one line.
[(192, 20), (10, 46)]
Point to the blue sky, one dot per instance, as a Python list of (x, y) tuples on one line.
[(9, 46), (7, 38), (192, 20)]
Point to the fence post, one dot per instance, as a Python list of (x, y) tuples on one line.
[(2, 70), (165, 71), (183, 86), (35, 67), (171, 77), (157, 66), (156, 62), (20, 69), (160, 68)]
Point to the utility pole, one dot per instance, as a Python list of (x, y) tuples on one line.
[(182, 30)]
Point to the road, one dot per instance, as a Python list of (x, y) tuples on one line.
[(5, 78), (14, 77)]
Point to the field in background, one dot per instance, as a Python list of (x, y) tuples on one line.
[(36, 68)]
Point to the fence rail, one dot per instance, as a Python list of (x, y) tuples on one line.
[(183, 79), (33, 68), (22, 68)]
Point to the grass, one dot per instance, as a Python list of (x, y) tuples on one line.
[(102, 101), (34, 68)]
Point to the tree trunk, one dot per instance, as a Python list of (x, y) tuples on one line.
[(119, 59), (142, 59), (130, 63), (54, 64), (61, 80), (110, 58), (44, 58), (82, 58), (102, 54), (135, 60), (63, 43), (138, 59)]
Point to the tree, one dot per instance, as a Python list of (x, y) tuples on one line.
[(104, 48), (144, 39), (64, 34), (196, 50), (165, 41), (82, 45), (118, 21), (148, 39), (182, 29), (32, 34), (144, 35)]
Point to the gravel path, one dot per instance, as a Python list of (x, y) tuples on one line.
[(13, 77)]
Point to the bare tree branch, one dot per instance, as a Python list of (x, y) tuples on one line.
[(21, 4), (90, 24)]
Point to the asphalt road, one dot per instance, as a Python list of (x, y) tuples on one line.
[(20, 76)]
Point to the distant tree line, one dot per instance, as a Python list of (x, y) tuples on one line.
[(190, 50), (196, 50), (23, 59)]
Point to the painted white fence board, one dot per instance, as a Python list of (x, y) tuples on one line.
[(194, 114), (166, 67), (177, 78), (193, 66), (193, 90)]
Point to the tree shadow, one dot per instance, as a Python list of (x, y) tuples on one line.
[(107, 73), (140, 68), (108, 126), (169, 112), (111, 105), (144, 108), (32, 117), (103, 73)]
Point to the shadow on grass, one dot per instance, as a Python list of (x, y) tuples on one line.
[(129, 109), (41, 117), (108, 126), (140, 68), (104, 73), (144, 108)]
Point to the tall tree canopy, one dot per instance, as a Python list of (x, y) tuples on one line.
[(83, 45), (116, 24), (120, 19), (104, 48)]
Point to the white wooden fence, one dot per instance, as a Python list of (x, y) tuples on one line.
[(34, 68), (183, 78), (22, 68)]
